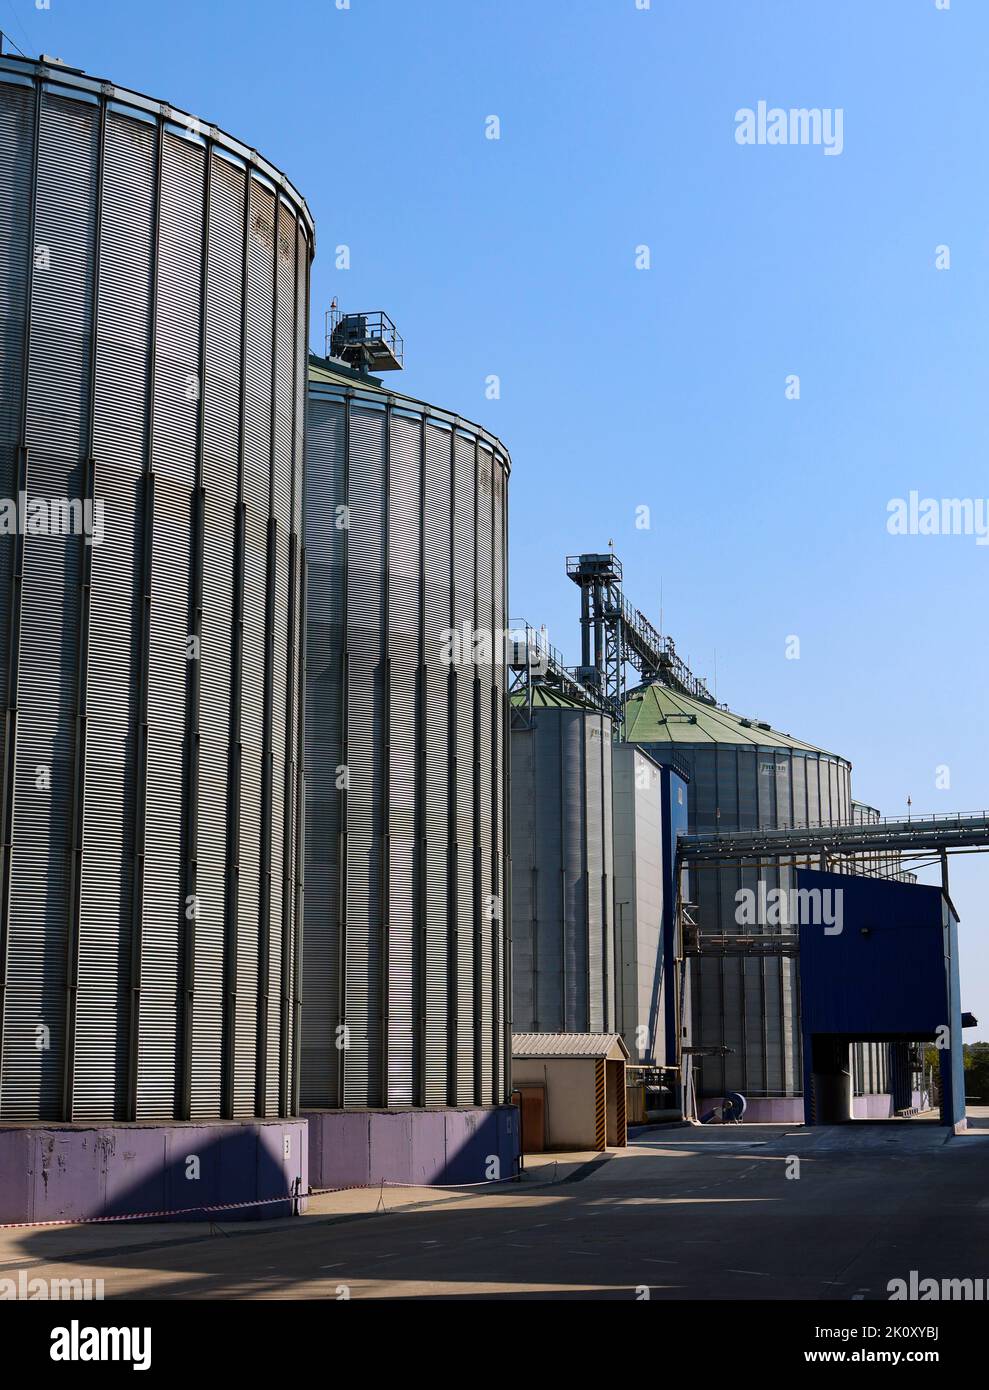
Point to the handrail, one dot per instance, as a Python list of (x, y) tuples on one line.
[(962, 820), (377, 327)]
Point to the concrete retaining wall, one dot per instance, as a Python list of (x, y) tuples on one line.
[(877, 1106), (68, 1172), (761, 1110), (789, 1110), (364, 1147)]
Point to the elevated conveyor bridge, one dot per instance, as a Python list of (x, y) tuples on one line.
[(916, 837), (930, 839)]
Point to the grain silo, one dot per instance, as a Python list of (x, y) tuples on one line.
[(746, 775), (406, 1014), (743, 775), (642, 983), (563, 946), (154, 278)]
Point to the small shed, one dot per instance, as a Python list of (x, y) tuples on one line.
[(571, 1090)]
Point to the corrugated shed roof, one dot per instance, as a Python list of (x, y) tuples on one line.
[(656, 714), (566, 1044)]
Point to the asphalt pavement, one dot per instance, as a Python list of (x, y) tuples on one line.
[(719, 1212)]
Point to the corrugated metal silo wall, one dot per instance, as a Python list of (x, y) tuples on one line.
[(563, 953), (639, 904), (153, 293), (752, 1004), (406, 952)]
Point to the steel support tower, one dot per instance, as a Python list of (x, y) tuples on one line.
[(613, 634)]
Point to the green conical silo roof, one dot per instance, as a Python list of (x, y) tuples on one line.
[(656, 714), (545, 697)]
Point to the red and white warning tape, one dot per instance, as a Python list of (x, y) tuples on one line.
[(240, 1206)]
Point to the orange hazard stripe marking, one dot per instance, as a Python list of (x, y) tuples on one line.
[(600, 1107)]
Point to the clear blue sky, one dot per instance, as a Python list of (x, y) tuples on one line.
[(665, 388)]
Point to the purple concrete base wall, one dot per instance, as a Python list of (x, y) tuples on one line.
[(878, 1106), (363, 1147), (789, 1110), (68, 1172), (761, 1110)]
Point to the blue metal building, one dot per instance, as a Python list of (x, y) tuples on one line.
[(878, 963)]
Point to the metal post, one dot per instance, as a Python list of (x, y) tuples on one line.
[(506, 905), (385, 822), (420, 918), (300, 576), (291, 771), (299, 866), (77, 819), (343, 857), (231, 926), (454, 772), (144, 570), (194, 689), (620, 963), (8, 761), (492, 887), (265, 883)]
